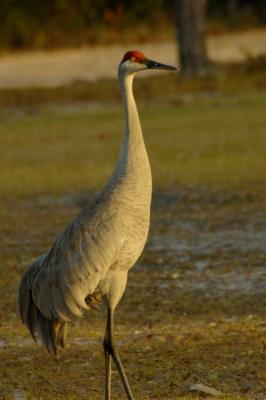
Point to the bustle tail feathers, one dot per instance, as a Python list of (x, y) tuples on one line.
[(51, 333)]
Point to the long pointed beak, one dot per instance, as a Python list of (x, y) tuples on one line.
[(156, 65)]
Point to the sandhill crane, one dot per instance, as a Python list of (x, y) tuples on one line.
[(95, 252)]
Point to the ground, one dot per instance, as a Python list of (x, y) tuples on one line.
[(62, 67), (193, 311), (194, 308)]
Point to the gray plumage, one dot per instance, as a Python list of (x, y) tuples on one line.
[(95, 252), (98, 248)]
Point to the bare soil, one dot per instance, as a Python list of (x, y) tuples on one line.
[(63, 67)]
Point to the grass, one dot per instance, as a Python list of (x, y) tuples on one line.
[(217, 141), (176, 325)]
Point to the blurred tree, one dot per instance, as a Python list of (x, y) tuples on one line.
[(59, 23), (190, 16), (238, 13), (260, 9)]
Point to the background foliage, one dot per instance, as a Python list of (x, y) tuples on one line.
[(55, 23)]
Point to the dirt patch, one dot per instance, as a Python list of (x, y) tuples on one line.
[(211, 242), (62, 67)]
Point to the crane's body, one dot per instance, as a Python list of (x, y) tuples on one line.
[(95, 252)]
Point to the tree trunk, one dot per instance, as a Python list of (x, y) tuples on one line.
[(191, 36)]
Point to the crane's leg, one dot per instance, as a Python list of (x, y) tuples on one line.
[(108, 366), (110, 350)]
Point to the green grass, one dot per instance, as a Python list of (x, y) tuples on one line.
[(218, 141)]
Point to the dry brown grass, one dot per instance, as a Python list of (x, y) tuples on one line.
[(187, 317)]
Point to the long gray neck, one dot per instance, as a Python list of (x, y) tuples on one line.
[(133, 162), (133, 133)]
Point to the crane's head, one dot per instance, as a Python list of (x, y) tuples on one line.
[(134, 61)]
